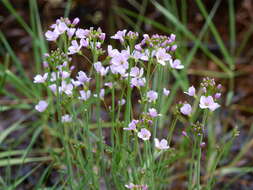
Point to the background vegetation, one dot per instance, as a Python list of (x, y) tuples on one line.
[(214, 40)]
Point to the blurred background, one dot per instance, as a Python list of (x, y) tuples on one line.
[(214, 40)]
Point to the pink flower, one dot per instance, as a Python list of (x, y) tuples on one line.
[(76, 21), (162, 56), (217, 95), (66, 118), (119, 62), (176, 64), (184, 133), (71, 32), (40, 78), (74, 48), (41, 106), (186, 109), (53, 88), (85, 95), (136, 72), (81, 33), (144, 134), (130, 186), (166, 92), (162, 145), (191, 91), (132, 125), (102, 94), (76, 83), (66, 88), (138, 82), (152, 95), (153, 113), (61, 27), (173, 48), (120, 35), (51, 35), (100, 69), (82, 77), (84, 42), (65, 74), (109, 84), (112, 52), (208, 102)]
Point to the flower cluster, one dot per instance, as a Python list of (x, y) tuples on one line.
[(208, 93), (117, 71)]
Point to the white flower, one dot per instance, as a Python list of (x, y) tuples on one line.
[(191, 91), (208, 102), (74, 48), (84, 94), (162, 145), (53, 88), (51, 35), (109, 84), (153, 113), (176, 64), (100, 69), (152, 95), (41, 106), (40, 78), (144, 134), (162, 56), (186, 109), (66, 88), (102, 94), (132, 125), (82, 77), (166, 92)]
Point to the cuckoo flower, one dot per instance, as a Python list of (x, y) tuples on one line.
[(191, 91), (66, 88), (166, 92), (153, 113), (61, 27), (82, 77), (51, 35), (136, 72), (144, 134), (162, 145), (40, 78), (84, 95), (186, 109), (162, 56), (41, 106), (152, 95), (100, 69), (208, 102), (138, 82), (53, 88), (120, 35), (74, 48), (176, 64), (132, 125)]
